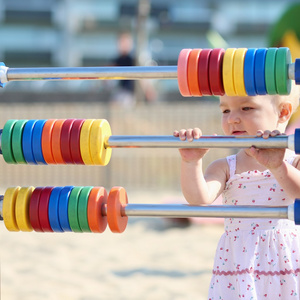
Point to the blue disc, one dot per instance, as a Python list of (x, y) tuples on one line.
[(53, 209), (37, 141), (297, 212), (297, 141), (27, 141), (63, 204), (249, 72), (297, 71), (259, 71)]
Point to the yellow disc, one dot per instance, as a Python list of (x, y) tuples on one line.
[(85, 141), (228, 80), (22, 208), (100, 132), (9, 204), (238, 71)]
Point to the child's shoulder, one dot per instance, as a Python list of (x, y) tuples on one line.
[(220, 166)]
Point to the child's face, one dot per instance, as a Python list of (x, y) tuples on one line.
[(247, 115)]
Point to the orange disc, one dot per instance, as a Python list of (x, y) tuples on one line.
[(117, 200), (55, 145), (97, 199), (193, 70), (46, 141)]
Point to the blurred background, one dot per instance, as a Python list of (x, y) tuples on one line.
[(73, 33), (153, 259)]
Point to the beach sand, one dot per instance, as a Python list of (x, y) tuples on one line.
[(153, 259)]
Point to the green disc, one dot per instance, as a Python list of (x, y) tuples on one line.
[(82, 208), (73, 209), (270, 71), (283, 59), (6, 141), (17, 141)]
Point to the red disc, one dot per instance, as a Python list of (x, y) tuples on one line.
[(97, 199), (75, 141), (203, 78), (43, 209), (117, 200), (34, 209), (65, 141), (192, 74), (215, 71)]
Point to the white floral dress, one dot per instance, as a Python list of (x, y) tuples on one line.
[(256, 258)]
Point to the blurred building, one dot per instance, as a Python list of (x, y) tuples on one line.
[(84, 33)]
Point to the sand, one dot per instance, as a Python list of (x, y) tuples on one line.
[(153, 259)]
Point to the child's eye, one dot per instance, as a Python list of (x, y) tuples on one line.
[(247, 108), (225, 111)]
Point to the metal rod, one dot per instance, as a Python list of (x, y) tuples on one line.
[(101, 73), (188, 211), (131, 141), (212, 211), (92, 73), (169, 141)]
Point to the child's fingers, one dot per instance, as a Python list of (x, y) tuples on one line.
[(275, 133), (176, 133), (182, 134)]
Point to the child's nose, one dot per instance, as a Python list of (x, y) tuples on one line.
[(234, 118)]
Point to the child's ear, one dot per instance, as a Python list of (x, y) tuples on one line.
[(285, 111)]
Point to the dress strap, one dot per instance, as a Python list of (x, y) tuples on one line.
[(231, 160)]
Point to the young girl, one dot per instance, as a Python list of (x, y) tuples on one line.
[(255, 258)]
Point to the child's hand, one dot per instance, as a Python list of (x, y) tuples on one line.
[(192, 154), (270, 158)]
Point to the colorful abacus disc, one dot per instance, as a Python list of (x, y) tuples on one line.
[(228, 80), (259, 71), (44, 209), (34, 209), (47, 141), (63, 205), (192, 73), (73, 209), (53, 209), (97, 198), (215, 71), (9, 207), (56, 150), (182, 72), (85, 141), (65, 141), (249, 65), (37, 141), (17, 141), (82, 208), (203, 69), (22, 208), (6, 141), (99, 133), (270, 71), (27, 141), (238, 72), (117, 199), (283, 83), (75, 142)]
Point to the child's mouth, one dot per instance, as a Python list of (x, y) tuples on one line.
[(237, 132)]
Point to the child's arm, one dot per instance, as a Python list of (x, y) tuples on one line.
[(288, 176), (198, 188)]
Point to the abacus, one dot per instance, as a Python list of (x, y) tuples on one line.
[(89, 141), (234, 72), (90, 209), (200, 72)]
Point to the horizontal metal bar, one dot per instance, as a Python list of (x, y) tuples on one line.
[(92, 73), (212, 211), (164, 141), (188, 211)]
